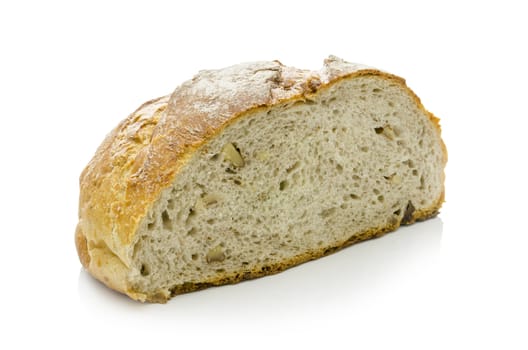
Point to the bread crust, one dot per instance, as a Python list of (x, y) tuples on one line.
[(143, 154)]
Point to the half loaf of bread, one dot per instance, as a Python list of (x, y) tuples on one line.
[(248, 170)]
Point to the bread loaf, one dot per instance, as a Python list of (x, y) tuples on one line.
[(248, 170)]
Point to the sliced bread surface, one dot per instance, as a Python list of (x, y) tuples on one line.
[(248, 170)]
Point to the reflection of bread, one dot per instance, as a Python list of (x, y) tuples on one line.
[(248, 170)]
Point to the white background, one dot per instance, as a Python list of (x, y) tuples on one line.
[(70, 71)]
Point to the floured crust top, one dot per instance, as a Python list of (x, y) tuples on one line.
[(143, 154)]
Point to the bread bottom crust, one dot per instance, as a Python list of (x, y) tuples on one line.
[(271, 269)]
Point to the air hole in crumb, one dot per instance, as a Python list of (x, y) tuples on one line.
[(283, 185), (415, 172), (364, 149), (220, 270), (194, 257), (339, 168), (210, 221), (409, 163), (391, 104), (170, 204), (376, 90), (151, 225), (378, 130), (328, 212), (144, 270), (190, 216), (354, 196), (215, 157), (376, 191), (408, 214), (292, 167), (397, 212), (237, 182), (167, 223), (381, 199), (192, 231)]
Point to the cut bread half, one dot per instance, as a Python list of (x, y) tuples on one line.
[(246, 171)]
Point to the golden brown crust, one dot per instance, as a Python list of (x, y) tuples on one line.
[(103, 182), (144, 153), (82, 247)]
